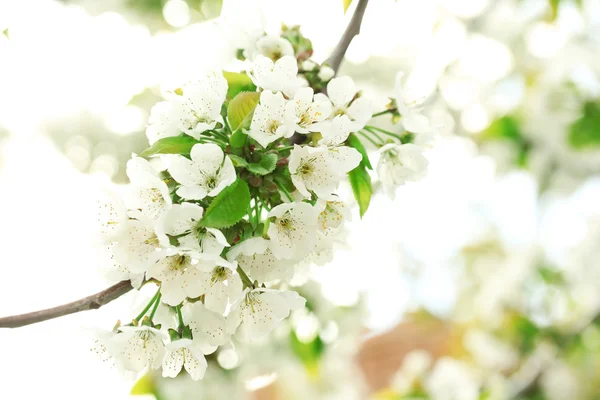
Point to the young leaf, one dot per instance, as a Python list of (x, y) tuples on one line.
[(145, 385), (240, 108), (171, 145), (346, 5), (355, 142), (361, 187), (237, 139), (238, 161), (238, 82), (265, 166), (228, 207)]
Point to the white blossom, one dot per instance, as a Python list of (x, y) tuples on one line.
[(279, 76), (311, 170), (221, 284), (183, 220), (207, 173), (255, 257), (183, 354), (148, 195), (342, 93), (273, 118), (163, 121), (310, 109), (208, 327), (259, 311), (137, 348), (198, 109), (112, 216), (410, 107), (116, 271), (273, 47), (400, 163), (138, 247), (333, 214), (292, 230), (179, 277), (326, 73)]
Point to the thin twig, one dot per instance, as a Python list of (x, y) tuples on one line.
[(353, 29), (92, 302)]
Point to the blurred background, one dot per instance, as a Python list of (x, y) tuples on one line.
[(479, 282)]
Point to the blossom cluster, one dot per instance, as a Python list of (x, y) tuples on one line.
[(239, 185)]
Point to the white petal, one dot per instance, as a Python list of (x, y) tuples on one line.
[(172, 363), (341, 90), (194, 363)]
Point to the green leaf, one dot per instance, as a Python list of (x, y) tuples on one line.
[(361, 187), (238, 139), (240, 108), (238, 161), (346, 5), (265, 166), (238, 82), (585, 132), (354, 141), (144, 385), (171, 145), (554, 4), (308, 352), (228, 207)]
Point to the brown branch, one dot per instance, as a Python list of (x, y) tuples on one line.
[(353, 29), (92, 302)]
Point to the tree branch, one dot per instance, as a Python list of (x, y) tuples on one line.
[(97, 300), (92, 302), (353, 29)]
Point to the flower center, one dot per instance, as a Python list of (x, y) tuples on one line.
[(220, 274), (178, 262), (272, 126)]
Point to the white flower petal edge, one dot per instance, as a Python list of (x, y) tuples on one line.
[(310, 109), (274, 118), (400, 163), (137, 349), (183, 354), (260, 311), (207, 173), (148, 195), (255, 257), (292, 230), (279, 76)]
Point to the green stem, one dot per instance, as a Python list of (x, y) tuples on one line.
[(284, 190), (227, 124), (145, 310), (378, 145), (389, 111), (210, 139), (245, 279), (153, 312), (180, 317), (370, 128), (284, 148)]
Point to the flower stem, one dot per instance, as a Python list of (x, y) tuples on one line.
[(374, 128), (153, 312), (245, 279), (179, 317), (284, 148), (388, 111), (284, 190), (370, 139), (145, 310)]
